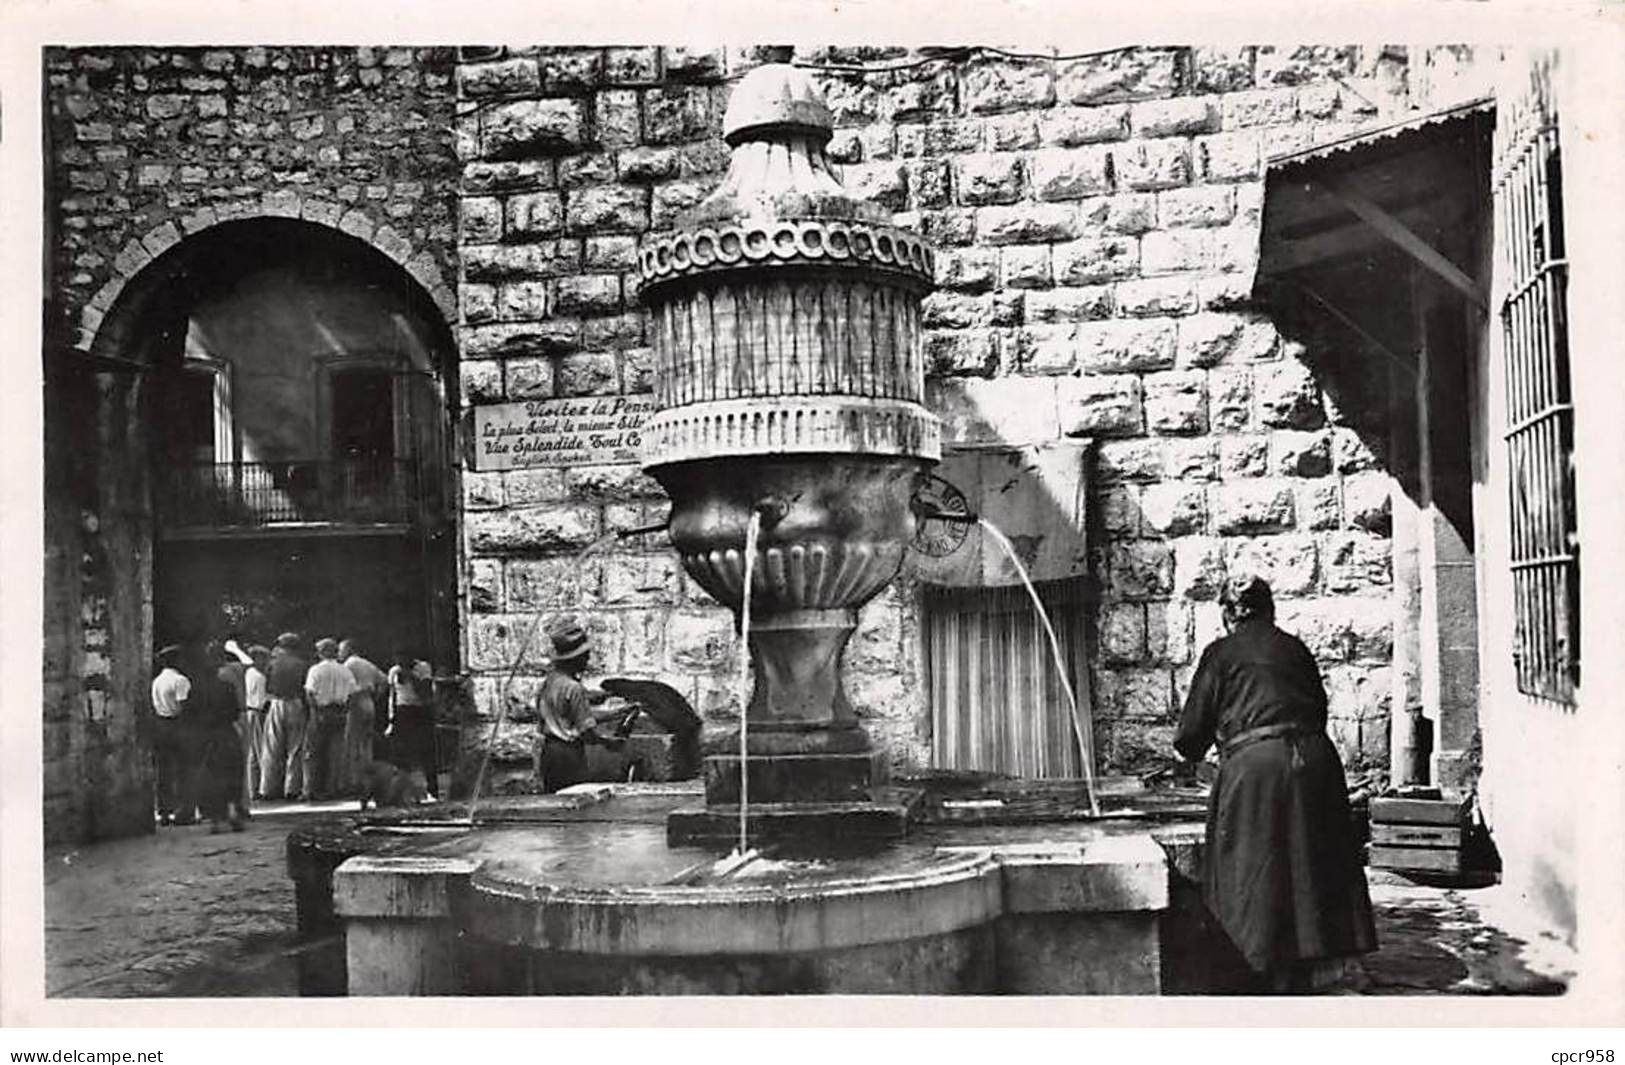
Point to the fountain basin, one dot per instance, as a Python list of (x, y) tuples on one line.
[(552, 899)]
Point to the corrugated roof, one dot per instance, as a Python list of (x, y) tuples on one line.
[(1360, 141)]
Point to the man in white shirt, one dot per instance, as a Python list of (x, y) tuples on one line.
[(329, 687), (258, 700), (371, 685), (170, 689)]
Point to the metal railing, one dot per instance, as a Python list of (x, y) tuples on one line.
[(346, 491)]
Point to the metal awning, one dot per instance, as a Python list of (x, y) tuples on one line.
[(1408, 188)]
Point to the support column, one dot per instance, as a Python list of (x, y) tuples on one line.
[(1405, 719), (399, 935)]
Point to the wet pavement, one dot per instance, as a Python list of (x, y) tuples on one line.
[(185, 913)]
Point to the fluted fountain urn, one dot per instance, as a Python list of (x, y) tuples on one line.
[(788, 380)]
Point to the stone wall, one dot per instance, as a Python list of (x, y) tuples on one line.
[(1098, 222)]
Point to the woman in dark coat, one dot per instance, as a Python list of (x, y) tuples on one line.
[(1282, 873)]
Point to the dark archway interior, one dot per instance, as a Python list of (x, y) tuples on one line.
[(282, 495)]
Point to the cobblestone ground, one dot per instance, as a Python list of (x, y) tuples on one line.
[(189, 914)]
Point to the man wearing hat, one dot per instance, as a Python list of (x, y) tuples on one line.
[(563, 708), (1282, 875), (329, 688), (282, 767), (170, 690)]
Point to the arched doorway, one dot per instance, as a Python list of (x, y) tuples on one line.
[(291, 426)]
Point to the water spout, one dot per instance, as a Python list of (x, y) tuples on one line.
[(1085, 742), (524, 648)]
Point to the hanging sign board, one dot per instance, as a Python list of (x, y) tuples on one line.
[(588, 431)]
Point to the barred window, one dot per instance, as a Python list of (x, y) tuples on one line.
[(1539, 407)]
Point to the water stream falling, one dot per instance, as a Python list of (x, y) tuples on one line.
[(753, 530), (519, 657), (1086, 747)]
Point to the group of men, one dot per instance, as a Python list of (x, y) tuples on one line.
[(234, 725)]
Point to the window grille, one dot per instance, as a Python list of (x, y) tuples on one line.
[(1539, 408), (997, 705)]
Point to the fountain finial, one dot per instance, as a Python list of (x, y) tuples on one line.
[(774, 99)]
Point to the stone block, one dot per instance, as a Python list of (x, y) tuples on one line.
[(1129, 460), (1368, 501), (1320, 504), (510, 77), (1207, 205), (533, 127), (1119, 510), (1173, 508), (518, 174), (994, 87), (1221, 69), (700, 642), (1230, 399), (481, 382), (522, 300), (586, 375), (608, 208), (1176, 402), (1148, 166), (1008, 409), (534, 215), (619, 482), (1156, 297), (1100, 405), (587, 294), (1255, 506), (1300, 453), (530, 378), (1070, 173), (961, 353), (1026, 267), (481, 218), (969, 269), (554, 583), (641, 580), (1259, 107), (1351, 453), (1125, 345), (1126, 214), (1175, 117), (1168, 631), (538, 529), (1010, 133), (631, 66), (1069, 305), (1235, 156), (1139, 74), (1289, 563), (882, 183), (1288, 396), (482, 490), (1069, 127), (1191, 458), (1357, 561), (676, 114), (959, 310), (1300, 64), (1026, 224), (1090, 262), (1175, 250), (1136, 695), (537, 484), (928, 183), (1141, 569), (617, 119), (1214, 339)]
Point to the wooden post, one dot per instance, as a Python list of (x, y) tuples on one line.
[(400, 938)]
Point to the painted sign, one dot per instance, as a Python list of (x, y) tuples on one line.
[(589, 431)]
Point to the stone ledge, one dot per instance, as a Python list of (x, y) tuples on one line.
[(1127, 873), (398, 888)]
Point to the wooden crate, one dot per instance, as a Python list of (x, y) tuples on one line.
[(1418, 833)]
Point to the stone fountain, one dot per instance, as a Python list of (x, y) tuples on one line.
[(786, 329), (789, 386)]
